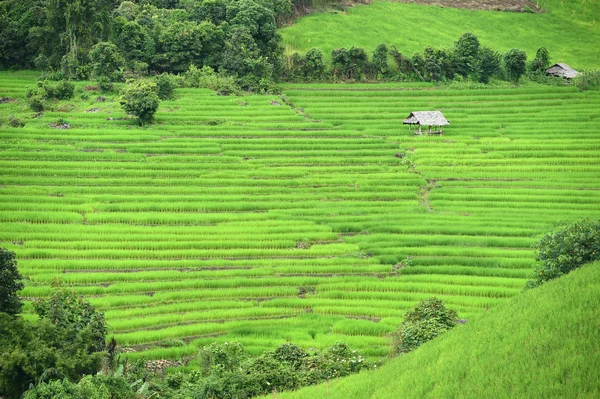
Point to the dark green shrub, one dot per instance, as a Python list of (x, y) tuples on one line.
[(140, 99), (566, 249), (106, 61), (10, 283), (380, 61), (105, 85), (313, 67), (488, 64), (424, 322), (14, 121), (165, 86), (515, 64), (64, 90), (466, 50)]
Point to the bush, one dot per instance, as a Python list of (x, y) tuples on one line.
[(564, 250), (14, 121), (209, 79), (140, 99), (105, 85), (107, 61), (165, 85), (423, 323), (64, 90), (588, 80), (10, 283), (515, 64)]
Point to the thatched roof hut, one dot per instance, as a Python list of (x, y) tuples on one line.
[(427, 118), (562, 71)]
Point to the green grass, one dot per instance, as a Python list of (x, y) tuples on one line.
[(543, 344), (287, 224), (570, 30)]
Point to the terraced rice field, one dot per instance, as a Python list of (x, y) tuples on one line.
[(234, 218)]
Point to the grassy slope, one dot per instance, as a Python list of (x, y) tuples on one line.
[(569, 31), (543, 343)]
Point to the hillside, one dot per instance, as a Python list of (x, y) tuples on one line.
[(544, 343), (244, 218), (570, 30)]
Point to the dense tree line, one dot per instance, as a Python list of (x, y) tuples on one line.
[(113, 40), (466, 60)]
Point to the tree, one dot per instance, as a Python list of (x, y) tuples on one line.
[(140, 99), (107, 61), (67, 342), (466, 50), (566, 249), (380, 60), (313, 66), (515, 63), (10, 283), (423, 323), (488, 65), (541, 62)]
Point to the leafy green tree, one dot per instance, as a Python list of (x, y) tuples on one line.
[(107, 61), (67, 342), (133, 41), (140, 99), (515, 64), (313, 66), (340, 60), (10, 283), (466, 50), (427, 320), (380, 61), (566, 249), (541, 62), (165, 86), (488, 64), (72, 314)]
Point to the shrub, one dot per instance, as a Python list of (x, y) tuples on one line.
[(466, 51), (64, 90), (10, 283), (165, 85), (588, 80), (566, 249), (209, 79), (380, 61), (313, 65), (488, 64), (105, 85), (14, 121), (140, 99), (423, 323), (107, 61), (515, 64)]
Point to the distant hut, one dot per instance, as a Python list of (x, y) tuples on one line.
[(562, 71), (433, 119)]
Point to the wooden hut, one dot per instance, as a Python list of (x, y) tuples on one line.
[(562, 71), (433, 119)]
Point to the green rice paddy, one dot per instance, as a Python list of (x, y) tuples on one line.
[(249, 219)]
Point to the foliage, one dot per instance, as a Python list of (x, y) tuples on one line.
[(66, 343), (541, 62), (349, 64), (227, 371), (423, 323), (380, 61), (165, 86), (566, 249), (314, 67), (140, 99), (106, 61), (488, 64), (72, 315), (89, 387), (588, 80), (208, 78), (10, 283), (515, 64), (14, 121), (63, 90), (466, 51)]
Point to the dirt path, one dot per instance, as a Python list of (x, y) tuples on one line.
[(496, 5)]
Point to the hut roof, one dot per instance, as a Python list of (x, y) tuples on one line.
[(428, 118), (562, 70)]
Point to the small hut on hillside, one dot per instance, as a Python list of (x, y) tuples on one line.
[(562, 71), (433, 119)]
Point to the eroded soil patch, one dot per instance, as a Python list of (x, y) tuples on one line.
[(492, 5)]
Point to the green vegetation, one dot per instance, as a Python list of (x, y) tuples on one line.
[(563, 251), (569, 29), (429, 319), (313, 217), (10, 283), (494, 354), (141, 99)]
